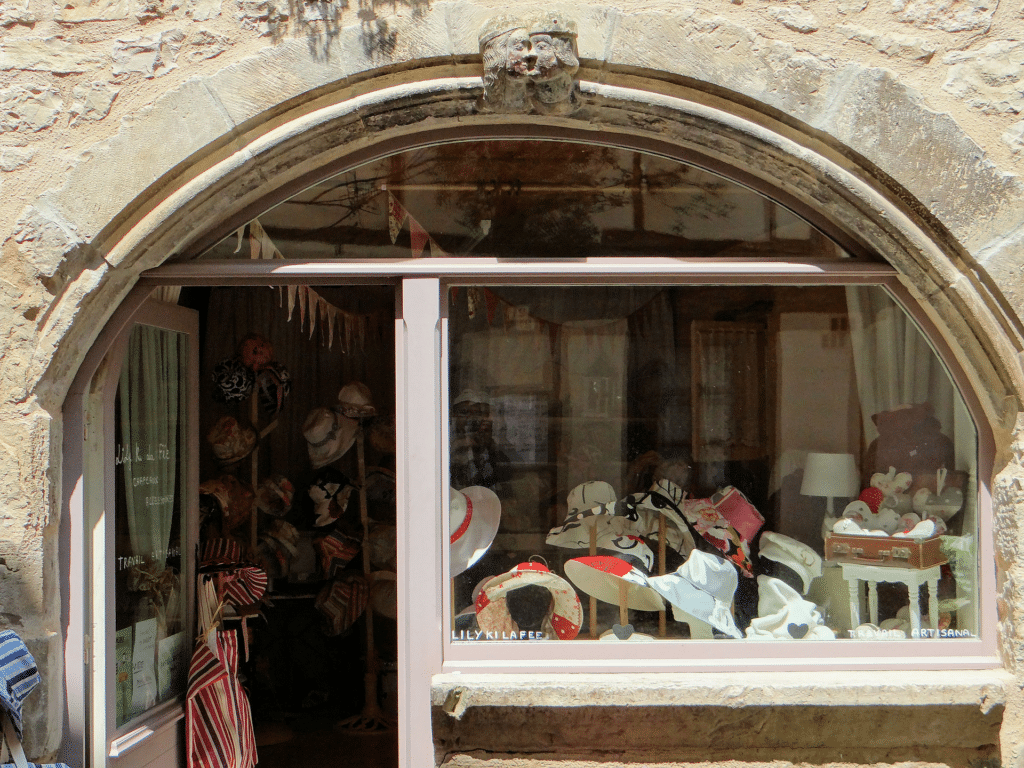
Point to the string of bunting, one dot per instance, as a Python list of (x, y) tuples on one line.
[(478, 298), (419, 238), (351, 328)]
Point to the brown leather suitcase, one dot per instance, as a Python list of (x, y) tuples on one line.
[(883, 550)]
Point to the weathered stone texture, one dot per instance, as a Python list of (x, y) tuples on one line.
[(29, 107), (262, 16), (49, 54), (202, 10), (151, 56), (947, 15), (1013, 137), (15, 12), (645, 735), (15, 157), (797, 19), (94, 10), (205, 44), (92, 101), (990, 79), (891, 43), (847, 7)]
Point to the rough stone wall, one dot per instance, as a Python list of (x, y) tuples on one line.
[(99, 99)]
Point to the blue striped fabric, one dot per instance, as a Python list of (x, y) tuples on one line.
[(18, 676)]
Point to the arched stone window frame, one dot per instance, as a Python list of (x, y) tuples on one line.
[(213, 194)]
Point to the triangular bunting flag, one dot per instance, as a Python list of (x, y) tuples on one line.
[(314, 310), (240, 234), (396, 217), (436, 250), (303, 298), (291, 301), (255, 239), (418, 237), (332, 316)]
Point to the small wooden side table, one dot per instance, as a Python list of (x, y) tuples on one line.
[(855, 573)]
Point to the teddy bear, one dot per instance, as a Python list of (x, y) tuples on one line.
[(909, 437)]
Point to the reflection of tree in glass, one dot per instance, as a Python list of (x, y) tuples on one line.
[(547, 198), (707, 198), (540, 197)]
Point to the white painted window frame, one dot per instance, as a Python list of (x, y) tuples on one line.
[(93, 738), (426, 652)]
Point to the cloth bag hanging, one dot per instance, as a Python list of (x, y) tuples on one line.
[(18, 677), (218, 720)]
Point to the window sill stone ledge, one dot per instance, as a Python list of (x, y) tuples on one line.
[(985, 688)]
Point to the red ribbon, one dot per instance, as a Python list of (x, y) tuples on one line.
[(465, 521)]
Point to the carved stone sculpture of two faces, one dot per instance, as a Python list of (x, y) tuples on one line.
[(530, 64)]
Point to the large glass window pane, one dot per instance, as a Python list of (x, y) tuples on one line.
[(710, 462), (516, 199), (150, 469)]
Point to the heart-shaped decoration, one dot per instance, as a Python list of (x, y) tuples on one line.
[(797, 631), (622, 632)]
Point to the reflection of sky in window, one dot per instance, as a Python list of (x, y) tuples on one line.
[(535, 198)]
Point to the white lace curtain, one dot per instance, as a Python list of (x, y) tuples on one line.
[(152, 407)]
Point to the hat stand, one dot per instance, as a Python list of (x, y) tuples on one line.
[(372, 718), (254, 460)]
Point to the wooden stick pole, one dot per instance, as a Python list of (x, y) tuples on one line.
[(593, 600), (254, 466), (623, 598), (662, 624), (371, 708)]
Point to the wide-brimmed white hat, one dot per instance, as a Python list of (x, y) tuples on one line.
[(356, 401), (473, 517), (702, 588), (329, 434), (601, 576), (562, 620), (792, 554), (782, 614)]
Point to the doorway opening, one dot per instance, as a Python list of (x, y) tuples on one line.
[(250, 464), (296, 423)]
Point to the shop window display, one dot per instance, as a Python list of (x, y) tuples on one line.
[(739, 463)]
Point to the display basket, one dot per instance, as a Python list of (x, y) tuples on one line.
[(883, 550)]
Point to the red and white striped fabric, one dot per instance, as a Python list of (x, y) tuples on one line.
[(218, 718), (244, 586), (341, 602)]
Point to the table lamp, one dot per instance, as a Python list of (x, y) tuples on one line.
[(830, 475)]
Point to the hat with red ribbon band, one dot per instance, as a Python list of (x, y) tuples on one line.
[(473, 516)]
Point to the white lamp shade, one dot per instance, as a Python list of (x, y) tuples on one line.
[(830, 474)]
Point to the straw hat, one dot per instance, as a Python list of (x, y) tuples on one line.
[(601, 576), (230, 441), (563, 618), (356, 401), (329, 435)]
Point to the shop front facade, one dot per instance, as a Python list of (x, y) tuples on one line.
[(667, 360)]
